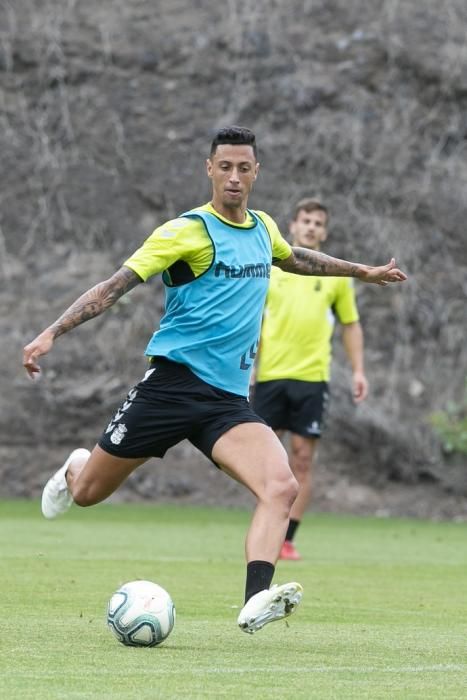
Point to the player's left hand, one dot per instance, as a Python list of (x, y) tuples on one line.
[(359, 387), (384, 274)]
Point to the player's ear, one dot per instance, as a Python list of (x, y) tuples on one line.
[(256, 170), (209, 167)]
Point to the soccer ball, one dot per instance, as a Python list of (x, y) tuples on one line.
[(141, 614)]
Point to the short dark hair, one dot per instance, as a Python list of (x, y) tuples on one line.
[(234, 136), (310, 204)]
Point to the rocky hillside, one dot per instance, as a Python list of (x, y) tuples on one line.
[(107, 110)]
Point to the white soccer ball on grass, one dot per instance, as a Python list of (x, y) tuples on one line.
[(141, 614)]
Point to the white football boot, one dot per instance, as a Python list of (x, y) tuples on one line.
[(56, 498), (270, 605)]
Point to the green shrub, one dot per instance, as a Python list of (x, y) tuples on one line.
[(451, 425)]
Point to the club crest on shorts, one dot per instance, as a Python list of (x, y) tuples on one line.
[(118, 433), (314, 428)]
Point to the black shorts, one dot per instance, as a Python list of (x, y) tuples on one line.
[(171, 404), (290, 404)]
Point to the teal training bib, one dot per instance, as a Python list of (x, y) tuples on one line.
[(212, 323)]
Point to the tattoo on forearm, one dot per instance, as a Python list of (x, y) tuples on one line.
[(311, 262), (96, 300)]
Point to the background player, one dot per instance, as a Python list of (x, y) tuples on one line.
[(292, 379)]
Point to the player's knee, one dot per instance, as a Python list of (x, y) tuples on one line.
[(283, 490), (301, 461), (83, 496), (301, 469), (292, 491)]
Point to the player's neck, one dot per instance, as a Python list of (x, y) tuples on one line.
[(234, 214)]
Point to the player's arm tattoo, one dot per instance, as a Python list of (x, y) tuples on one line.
[(96, 300), (311, 262)]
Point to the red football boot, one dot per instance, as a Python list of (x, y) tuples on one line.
[(289, 552)]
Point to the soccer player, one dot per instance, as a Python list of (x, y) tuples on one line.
[(292, 378), (215, 262)]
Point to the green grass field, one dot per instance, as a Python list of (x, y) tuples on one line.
[(383, 614)]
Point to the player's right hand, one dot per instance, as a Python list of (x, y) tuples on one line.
[(31, 352)]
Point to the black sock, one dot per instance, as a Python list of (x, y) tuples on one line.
[(258, 577), (293, 524)]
